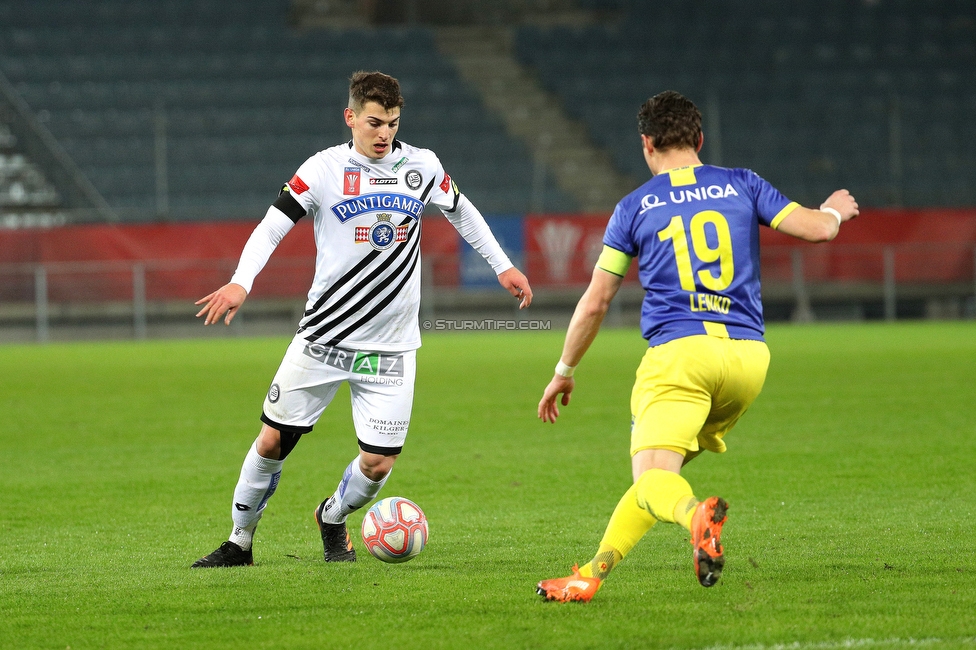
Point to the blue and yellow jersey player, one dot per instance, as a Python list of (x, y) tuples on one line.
[(694, 230)]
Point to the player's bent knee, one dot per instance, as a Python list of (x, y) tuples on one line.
[(376, 466), (275, 443), (268, 444)]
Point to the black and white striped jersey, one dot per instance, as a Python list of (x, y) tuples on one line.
[(367, 216)]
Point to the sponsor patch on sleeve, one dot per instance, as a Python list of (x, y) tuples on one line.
[(297, 185)]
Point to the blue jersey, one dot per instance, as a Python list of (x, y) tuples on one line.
[(695, 234)]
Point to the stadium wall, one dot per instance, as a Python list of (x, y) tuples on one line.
[(92, 272), (556, 249)]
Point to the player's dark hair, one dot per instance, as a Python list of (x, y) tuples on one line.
[(671, 121), (374, 87)]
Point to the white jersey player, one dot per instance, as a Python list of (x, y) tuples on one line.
[(360, 326)]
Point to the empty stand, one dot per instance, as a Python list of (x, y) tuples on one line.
[(238, 99), (874, 96)]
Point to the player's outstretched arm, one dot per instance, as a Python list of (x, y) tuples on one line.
[(823, 224), (518, 285), (262, 242), (227, 299), (583, 328)]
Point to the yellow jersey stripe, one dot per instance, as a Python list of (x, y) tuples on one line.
[(682, 176), (782, 214), (613, 261), (716, 329)]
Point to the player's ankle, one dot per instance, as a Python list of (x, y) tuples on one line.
[(606, 558), (243, 537)]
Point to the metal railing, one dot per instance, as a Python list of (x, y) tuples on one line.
[(136, 293), (889, 273)]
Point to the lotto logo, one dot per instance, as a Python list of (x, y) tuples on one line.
[(350, 181)]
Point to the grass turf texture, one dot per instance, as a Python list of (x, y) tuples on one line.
[(850, 481)]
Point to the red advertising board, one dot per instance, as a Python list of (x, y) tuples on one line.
[(439, 247), (925, 245), (561, 249), (187, 260), (182, 261)]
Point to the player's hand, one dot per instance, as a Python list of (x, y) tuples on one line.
[(227, 299), (518, 285), (843, 202), (548, 411)]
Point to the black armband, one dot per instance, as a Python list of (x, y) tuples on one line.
[(288, 205)]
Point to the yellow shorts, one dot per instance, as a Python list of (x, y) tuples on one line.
[(690, 391)]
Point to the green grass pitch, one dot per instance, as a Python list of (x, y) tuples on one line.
[(852, 483)]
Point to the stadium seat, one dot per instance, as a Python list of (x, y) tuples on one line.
[(804, 90), (245, 100)]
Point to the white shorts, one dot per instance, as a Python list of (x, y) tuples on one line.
[(381, 384)]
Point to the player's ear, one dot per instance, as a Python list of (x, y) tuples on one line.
[(350, 117), (701, 141), (647, 144)]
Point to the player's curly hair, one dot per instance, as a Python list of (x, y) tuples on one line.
[(671, 121), (374, 87)]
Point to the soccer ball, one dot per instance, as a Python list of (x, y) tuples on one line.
[(395, 530)]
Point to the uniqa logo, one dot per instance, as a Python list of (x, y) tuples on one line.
[(647, 205), (699, 193)]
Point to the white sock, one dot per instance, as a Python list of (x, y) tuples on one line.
[(243, 536), (354, 491), (258, 481)]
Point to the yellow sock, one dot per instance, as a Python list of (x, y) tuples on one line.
[(602, 563), (667, 496), (628, 524), (685, 510)]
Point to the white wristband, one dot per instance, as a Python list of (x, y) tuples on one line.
[(564, 370), (840, 219)]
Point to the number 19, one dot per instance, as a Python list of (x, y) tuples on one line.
[(722, 253)]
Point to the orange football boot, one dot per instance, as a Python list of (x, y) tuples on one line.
[(706, 533), (574, 588)]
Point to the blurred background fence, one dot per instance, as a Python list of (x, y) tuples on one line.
[(142, 280)]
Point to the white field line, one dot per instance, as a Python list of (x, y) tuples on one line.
[(850, 643)]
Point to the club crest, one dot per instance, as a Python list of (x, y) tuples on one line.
[(382, 234)]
